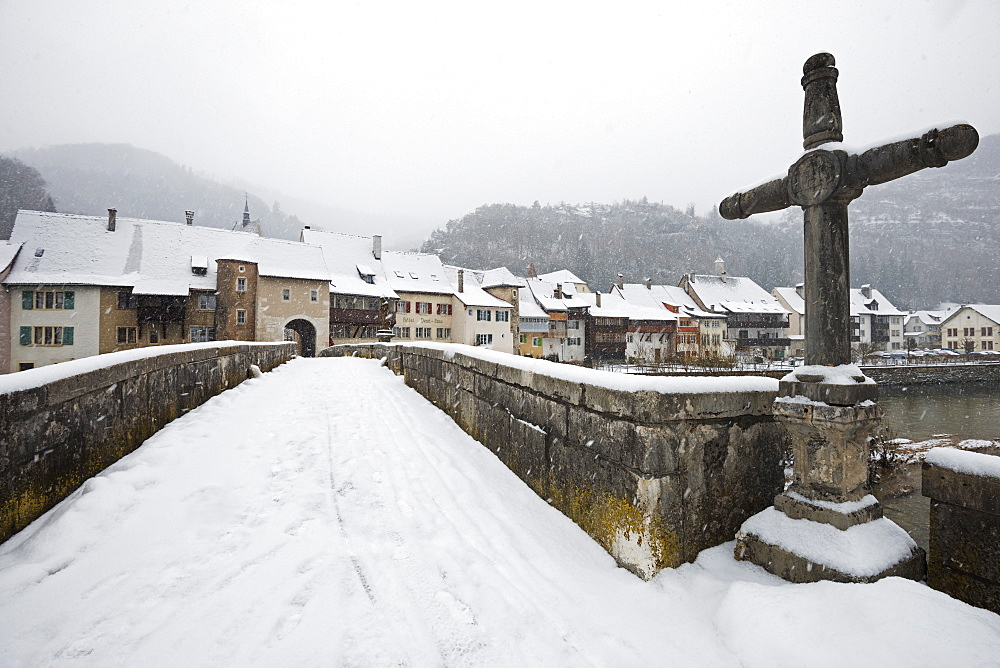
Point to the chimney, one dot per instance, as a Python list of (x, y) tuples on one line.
[(866, 290), (307, 227), (621, 281), (377, 249), (112, 215), (558, 291), (597, 300), (720, 266), (189, 216), (800, 290), (649, 284), (461, 275)]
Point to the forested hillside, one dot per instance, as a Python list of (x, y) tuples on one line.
[(930, 237)]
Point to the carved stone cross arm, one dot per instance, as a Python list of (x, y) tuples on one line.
[(822, 174)]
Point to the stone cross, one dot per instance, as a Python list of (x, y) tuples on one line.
[(823, 182), (829, 430)]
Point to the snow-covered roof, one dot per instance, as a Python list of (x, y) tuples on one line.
[(8, 251), (472, 293), (501, 276), (991, 311), (736, 294), (877, 304), (528, 307), (415, 272), (562, 276), (660, 296), (791, 298), (614, 306), (544, 292), (154, 257), (929, 318), (347, 257)]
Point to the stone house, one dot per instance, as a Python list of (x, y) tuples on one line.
[(361, 299), (924, 328), (975, 327), (85, 285), (426, 308), (567, 320), (480, 319), (756, 321)]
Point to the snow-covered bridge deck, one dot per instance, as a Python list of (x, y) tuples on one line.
[(326, 514)]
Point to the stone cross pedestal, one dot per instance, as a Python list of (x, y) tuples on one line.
[(828, 406)]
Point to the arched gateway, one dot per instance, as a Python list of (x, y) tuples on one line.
[(303, 333)]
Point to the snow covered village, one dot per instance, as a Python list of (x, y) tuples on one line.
[(539, 435)]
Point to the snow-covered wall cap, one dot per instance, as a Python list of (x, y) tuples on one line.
[(844, 374), (43, 375), (964, 461), (609, 379)]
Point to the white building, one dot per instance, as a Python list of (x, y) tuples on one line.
[(567, 318), (972, 328), (480, 319)]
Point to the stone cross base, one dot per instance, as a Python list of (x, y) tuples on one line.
[(827, 526)]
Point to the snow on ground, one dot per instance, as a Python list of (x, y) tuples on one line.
[(326, 514)]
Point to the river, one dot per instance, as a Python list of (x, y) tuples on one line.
[(920, 412), (962, 410)]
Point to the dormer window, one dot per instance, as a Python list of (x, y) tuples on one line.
[(413, 275), (366, 274), (199, 265), (399, 274)]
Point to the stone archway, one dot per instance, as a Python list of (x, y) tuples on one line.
[(303, 333)]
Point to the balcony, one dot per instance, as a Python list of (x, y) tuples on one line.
[(160, 308), (356, 316)]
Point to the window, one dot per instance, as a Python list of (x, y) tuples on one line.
[(524, 338), (206, 302), (743, 334), (401, 332), (424, 308), (572, 324), (242, 268), (154, 335), (444, 332), (314, 295), (46, 336), (127, 300), (47, 299), (573, 341), (241, 284), (127, 335), (24, 366), (423, 332), (241, 316), (986, 331), (400, 307), (444, 309), (986, 345), (286, 294), (484, 339), (536, 341), (483, 314), (199, 334), (503, 316)]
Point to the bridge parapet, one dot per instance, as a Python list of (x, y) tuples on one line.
[(654, 469), (62, 424)]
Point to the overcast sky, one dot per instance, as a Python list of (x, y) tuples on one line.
[(432, 108)]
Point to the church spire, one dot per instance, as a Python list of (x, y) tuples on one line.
[(246, 213)]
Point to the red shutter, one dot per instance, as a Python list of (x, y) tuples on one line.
[(449, 309), (407, 307)]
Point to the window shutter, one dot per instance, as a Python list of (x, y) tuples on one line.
[(27, 300), (407, 307), (25, 336), (69, 297), (67, 336), (449, 309)]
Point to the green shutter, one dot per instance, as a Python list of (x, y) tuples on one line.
[(68, 298), (27, 300), (25, 336), (68, 335)]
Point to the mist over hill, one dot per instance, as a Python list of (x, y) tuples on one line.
[(930, 237), (89, 179)]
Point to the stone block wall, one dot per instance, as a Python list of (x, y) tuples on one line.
[(964, 556), (653, 477), (56, 436)]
